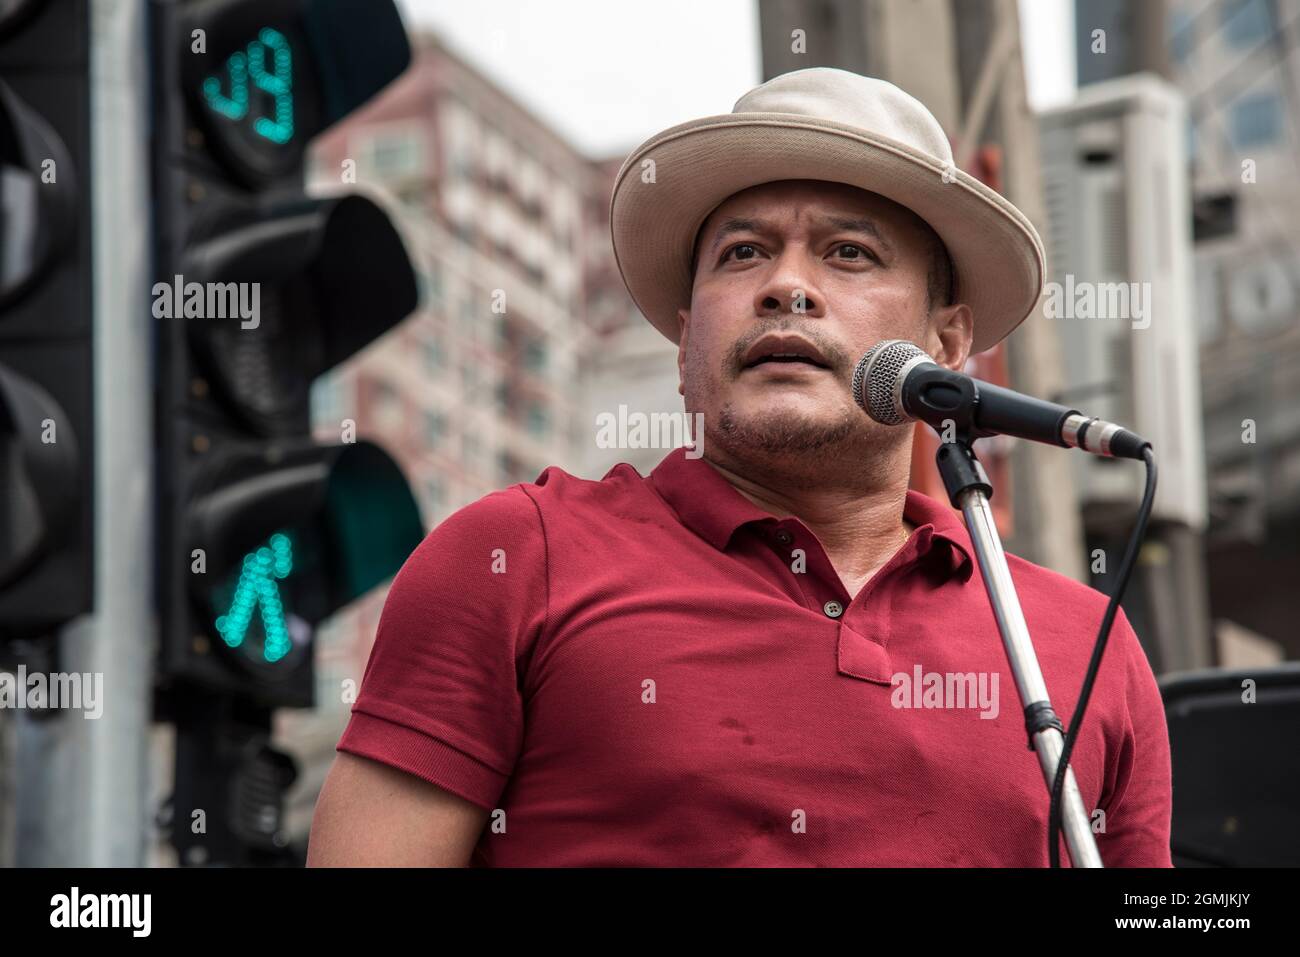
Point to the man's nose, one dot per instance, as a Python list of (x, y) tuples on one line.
[(790, 287)]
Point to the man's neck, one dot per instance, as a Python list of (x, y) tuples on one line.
[(860, 529)]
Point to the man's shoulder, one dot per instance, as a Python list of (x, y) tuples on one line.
[(554, 492), (1042, 585), (1063, 613), (516, 526), (555, 486), (1057, 604)]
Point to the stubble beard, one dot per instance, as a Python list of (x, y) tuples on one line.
[(788, 448), (793, 450), (783, 434)]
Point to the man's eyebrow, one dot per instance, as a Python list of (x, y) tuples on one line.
[(858, 225), (733, 225)]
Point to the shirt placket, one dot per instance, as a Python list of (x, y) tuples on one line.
[(863, 620), (805, 561)]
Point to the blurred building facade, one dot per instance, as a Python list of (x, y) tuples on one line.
[(1238, 64), (1120, 237), (629, 362)]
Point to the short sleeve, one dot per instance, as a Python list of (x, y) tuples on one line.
[(1138, 815), (441, 694)]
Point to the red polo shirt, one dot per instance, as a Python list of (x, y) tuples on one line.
[(653, 671)]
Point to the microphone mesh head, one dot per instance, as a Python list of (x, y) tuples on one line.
[(875, 379)]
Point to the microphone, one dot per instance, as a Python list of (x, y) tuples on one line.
[(896, 381)]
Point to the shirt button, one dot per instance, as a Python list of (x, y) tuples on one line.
[(833, 609), (784, 537)]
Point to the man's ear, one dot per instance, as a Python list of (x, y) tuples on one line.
[(683, 320), (952, 330)]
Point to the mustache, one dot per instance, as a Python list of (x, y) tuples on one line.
[(834, 354)]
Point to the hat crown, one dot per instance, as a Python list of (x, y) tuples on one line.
[(865, 102)]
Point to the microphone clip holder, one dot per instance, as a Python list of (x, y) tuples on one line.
[(946, 400)]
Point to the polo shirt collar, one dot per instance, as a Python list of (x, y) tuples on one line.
[(710, 506)]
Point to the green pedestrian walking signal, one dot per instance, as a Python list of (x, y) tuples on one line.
[(257, 589)]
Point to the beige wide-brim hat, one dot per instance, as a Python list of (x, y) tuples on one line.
[(822, 124)]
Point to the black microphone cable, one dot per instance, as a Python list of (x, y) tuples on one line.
[(1112, 608)]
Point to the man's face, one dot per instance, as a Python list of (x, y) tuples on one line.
[(831, 270)]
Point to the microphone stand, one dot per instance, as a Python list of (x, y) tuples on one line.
[(969, 490)]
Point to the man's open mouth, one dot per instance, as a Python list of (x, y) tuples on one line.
[(784, 350), (785, 360)]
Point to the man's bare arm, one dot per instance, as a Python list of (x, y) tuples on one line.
[(372, 815)]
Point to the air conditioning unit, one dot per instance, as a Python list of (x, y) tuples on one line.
[(1120, 288)]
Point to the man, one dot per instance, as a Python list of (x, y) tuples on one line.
[(775, 654)]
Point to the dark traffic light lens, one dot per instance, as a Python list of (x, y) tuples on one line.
[(35, 196), (21, 530), (14, 13), (265, 373), (328, 276)]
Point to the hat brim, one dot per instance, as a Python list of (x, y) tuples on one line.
[(996, 254)]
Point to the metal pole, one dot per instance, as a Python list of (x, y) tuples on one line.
[(1024, 666), (82, 783)]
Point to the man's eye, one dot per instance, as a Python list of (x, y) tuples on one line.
[(864, 253), (732, 249)]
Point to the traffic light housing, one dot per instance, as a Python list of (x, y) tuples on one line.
[(263, 532), (260, 289), (47, 431)]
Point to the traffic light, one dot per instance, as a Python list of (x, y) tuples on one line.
[(263, 532), (46, 302), (260, 289)]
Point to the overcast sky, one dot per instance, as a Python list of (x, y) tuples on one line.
[(608, 74)]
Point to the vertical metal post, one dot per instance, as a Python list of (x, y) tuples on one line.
[(82, 783)]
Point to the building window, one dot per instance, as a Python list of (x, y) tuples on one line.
[(430, 282), (435, 491), (471, 318), (387, 404), (1182, 35), (328, 408), (469, 381), (1255, 120), (462, 167), (1246, 23), (1261, 297), (1208, 321), (509, 468), (435, 427), (535, 355), (465, 233), (538, 422), (394, 155), (322, 169), (435, 357), (471, 450)]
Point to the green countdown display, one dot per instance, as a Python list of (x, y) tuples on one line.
[(264, 65)]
